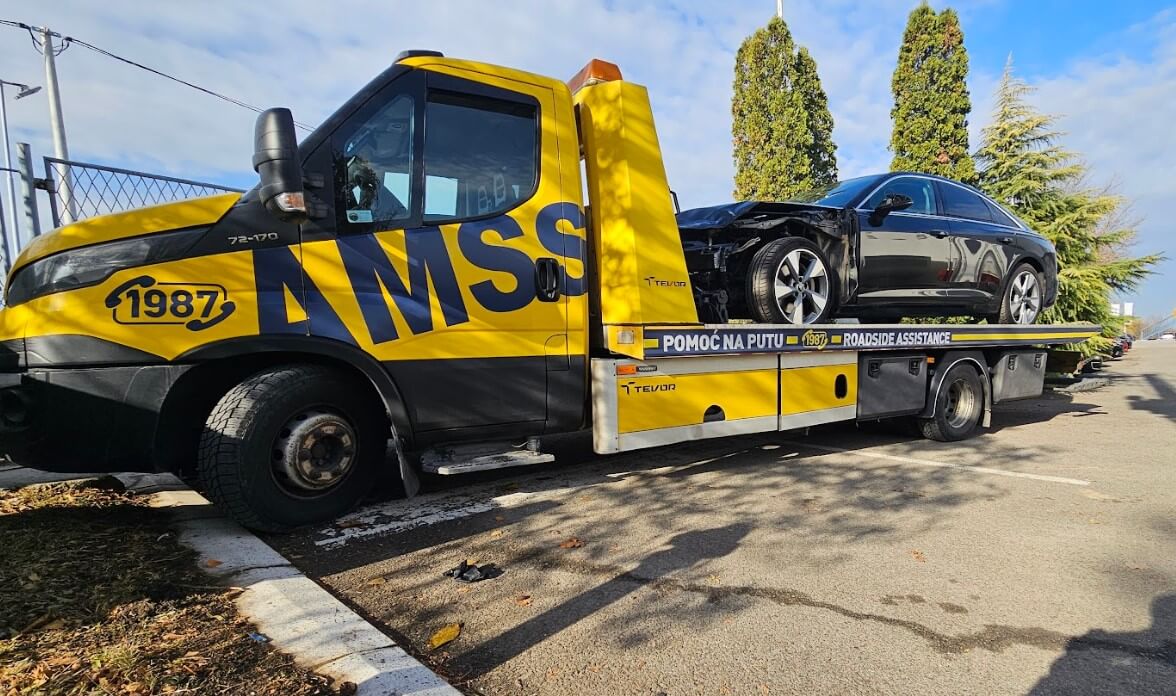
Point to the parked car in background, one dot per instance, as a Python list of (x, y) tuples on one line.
[(1169, 336), (878, 247)]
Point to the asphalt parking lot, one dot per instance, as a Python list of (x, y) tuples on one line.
[(1038, 557)]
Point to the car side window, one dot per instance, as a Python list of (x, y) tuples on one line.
[(920, 191), (376, 163), (959, 202), (999, 216), (480, 155)]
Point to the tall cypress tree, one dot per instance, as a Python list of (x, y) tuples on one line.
[(822, 154), (1023, 166), (931, 101), (781, 127)]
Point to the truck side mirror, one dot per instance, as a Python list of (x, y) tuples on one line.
[(275, 159)]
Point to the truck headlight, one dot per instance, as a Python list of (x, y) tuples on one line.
[(85, 266)]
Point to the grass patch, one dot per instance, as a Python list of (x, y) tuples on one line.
[(97, 597)]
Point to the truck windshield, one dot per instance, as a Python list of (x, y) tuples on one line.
[(838, 194)]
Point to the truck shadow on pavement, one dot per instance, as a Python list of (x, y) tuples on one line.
[(1104, 662), (684, 551)]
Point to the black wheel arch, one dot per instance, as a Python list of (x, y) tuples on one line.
[(943, 364), (218, 367)]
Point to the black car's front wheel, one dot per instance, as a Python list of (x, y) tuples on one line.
[(789, 282), (1023, 298)]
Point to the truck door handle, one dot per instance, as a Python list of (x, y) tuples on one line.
[(547, 279), (1006, 240), (939, 233)]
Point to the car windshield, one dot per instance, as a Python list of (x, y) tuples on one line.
[(838, 194)]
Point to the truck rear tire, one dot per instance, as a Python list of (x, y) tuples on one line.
[(292, 445), (958, 405), (789, 282)]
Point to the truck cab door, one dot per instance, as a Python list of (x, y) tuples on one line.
[(436, 265)]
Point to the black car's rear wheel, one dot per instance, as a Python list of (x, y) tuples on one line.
[(1023, 298), (789, 282)]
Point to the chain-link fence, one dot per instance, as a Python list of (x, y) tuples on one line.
[(80, 190)]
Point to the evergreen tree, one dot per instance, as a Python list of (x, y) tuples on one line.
[(781, 127), (822, 153), (931, 101), (1022, 166)]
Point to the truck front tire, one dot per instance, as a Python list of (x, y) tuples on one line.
[(292, 445)]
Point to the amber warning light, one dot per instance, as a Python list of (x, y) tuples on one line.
[(595, 71)]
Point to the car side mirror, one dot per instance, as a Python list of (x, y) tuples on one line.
[(893, 202), (275, 159), (890, 203)]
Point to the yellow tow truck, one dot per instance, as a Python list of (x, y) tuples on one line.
[(462, 259)]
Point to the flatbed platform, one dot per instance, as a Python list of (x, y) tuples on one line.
[(732, 339)]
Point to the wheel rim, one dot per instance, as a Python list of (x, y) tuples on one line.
[(960, 408), (802, 286), (314, 452), (1024, 298)]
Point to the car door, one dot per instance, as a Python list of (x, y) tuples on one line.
[(981, 248), (903, 255), (432, 264)]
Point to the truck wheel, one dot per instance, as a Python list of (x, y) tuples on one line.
[(958, 406), (788, 282), (1022, 300), (291, 446)]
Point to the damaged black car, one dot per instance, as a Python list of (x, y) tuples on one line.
[(877, 248)]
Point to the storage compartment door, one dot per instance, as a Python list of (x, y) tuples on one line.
[(1018, 374), (817, 388), (646, 404)]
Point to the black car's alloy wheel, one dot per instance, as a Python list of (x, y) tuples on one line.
[(1023, 299), (789, 282)]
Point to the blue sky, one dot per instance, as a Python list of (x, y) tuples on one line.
[(1107, 69)]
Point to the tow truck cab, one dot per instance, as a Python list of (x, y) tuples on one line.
[(421, 276)]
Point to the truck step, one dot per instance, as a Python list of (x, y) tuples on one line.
[(448, 462)]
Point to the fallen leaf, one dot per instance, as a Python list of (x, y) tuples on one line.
[(571, 543), (348, 524), (523, 600), (918, 556), (53, 625), (446, 634), (463, 590), (496, 534), (375, 581), (499, 518), (212, 563)]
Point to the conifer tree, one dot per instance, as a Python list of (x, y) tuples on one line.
[(1023, 166), (822, 151), (931, 100), (781, 126)]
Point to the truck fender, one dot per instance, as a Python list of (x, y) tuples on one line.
[(943, 364), (335, 350)]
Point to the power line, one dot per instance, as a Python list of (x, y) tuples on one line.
[(67, 41)]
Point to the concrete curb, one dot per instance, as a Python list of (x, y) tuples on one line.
[(299, 617)]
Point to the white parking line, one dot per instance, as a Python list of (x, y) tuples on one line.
[(945, 465)]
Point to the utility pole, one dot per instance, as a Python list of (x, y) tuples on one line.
[(57, 123), (11, 187)]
